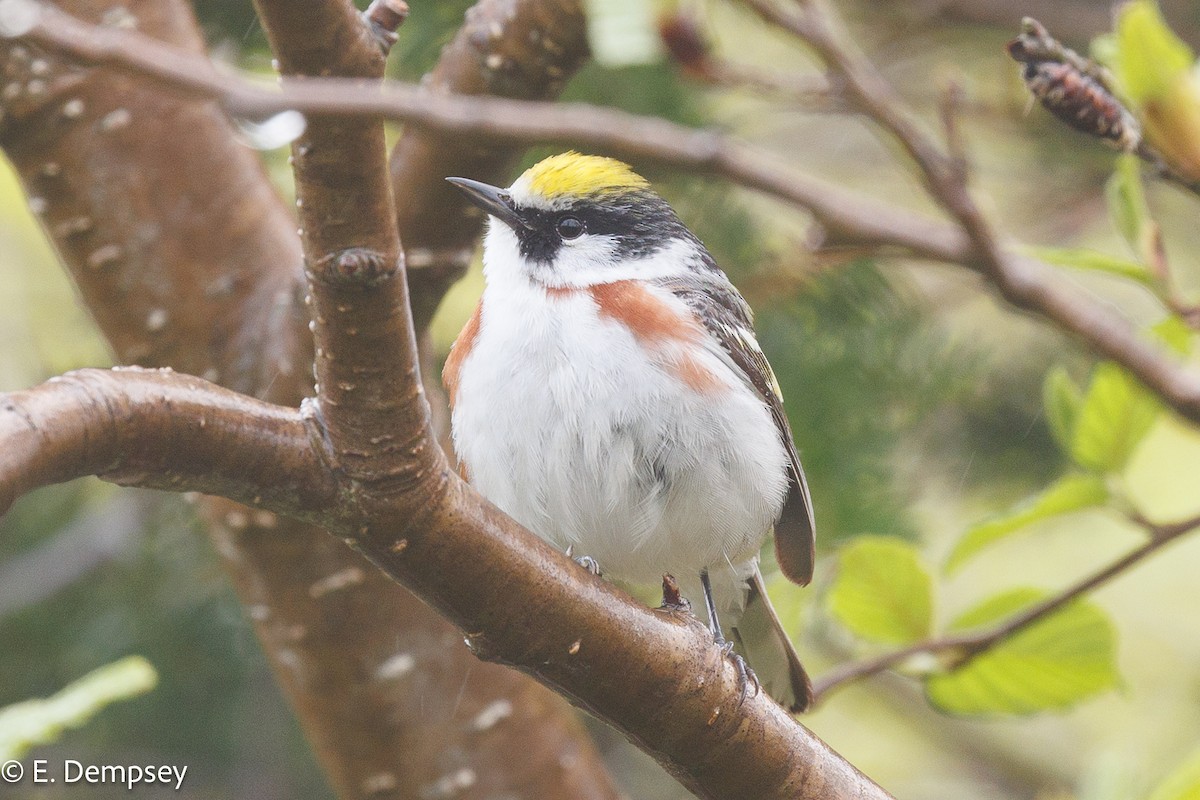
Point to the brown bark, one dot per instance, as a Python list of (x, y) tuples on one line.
[(849, 218), (186, 257), (657, 677)]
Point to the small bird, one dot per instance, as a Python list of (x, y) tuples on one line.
[(608, 393)]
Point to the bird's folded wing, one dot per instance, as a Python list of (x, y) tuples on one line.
[(728, 318)]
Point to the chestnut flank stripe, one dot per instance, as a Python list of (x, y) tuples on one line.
[(459, 352)]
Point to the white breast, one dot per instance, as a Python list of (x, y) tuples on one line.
[(567, 423)]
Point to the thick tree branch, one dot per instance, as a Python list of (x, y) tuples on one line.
[(158, 429), (370, 395), (366, 356), (656, 675), (168, 224), (401, 505), (967, 646), (385, 692), (1025, 283)]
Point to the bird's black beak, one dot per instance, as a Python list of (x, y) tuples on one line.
[(491, 199)]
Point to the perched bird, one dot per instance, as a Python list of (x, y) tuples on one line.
[(608, 394)]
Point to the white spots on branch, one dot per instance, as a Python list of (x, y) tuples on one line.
[(73, 108), (35, 86), (418, 257), (288, 659), (342, 579), (379, 783), (18, 17), (104, 256), (494, 61), (236, 520), (119, 17), (259, 612), (156, 320), (51, 169), (227, 550), (491, 715), (72, 226), (38, 205), (568, 761), (11, 91), (115, 120), (450, 785), (395, 667), (265, 519)]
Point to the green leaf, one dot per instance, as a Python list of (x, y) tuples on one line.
[(1093, 260), (1053, 664), (1116, 413), (1183, 783), (1061, 398), (882, 592), (35, 722), (1150, 58), (1127, 206), (1067, 494)]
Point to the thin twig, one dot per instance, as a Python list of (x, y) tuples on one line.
[(964, 647)]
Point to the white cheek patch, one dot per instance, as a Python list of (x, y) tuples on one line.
[(584, 264), (502, 260)]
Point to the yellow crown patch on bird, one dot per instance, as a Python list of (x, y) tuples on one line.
[(574, 175)]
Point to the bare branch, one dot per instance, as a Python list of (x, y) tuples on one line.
[(216, 291), (158, 429), (1022, 282), (850, 218), (167, 280), (968, 646), (366, 354), (655, 675)]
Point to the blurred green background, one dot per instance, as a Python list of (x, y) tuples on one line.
[(914, 396)]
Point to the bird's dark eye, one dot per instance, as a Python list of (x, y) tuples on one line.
[(570, 227)]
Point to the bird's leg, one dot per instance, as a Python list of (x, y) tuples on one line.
[(745, 674), (587, 562)]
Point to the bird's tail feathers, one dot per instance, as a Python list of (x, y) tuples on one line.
[(760, 638)]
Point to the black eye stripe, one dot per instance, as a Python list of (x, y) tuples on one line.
[(641, 223)]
